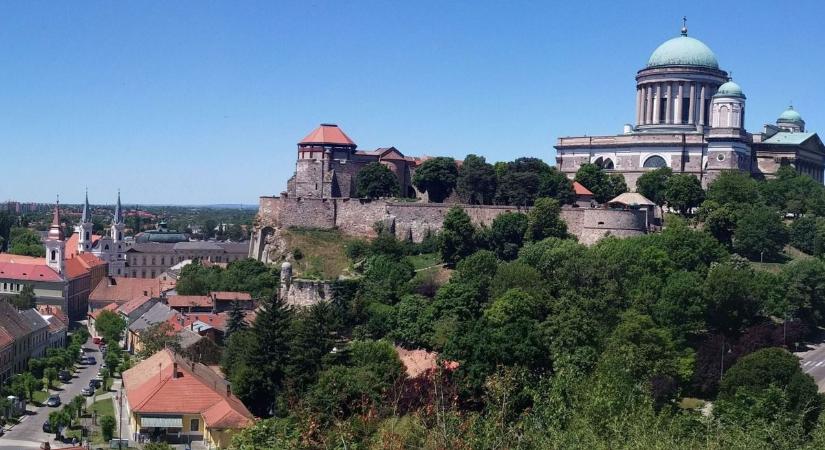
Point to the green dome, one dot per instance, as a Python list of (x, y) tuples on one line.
[(683, 51), (730, 89), (790, 115)]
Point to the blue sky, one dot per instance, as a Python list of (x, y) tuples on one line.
[(194, 102)]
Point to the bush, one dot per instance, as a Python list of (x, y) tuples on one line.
[(107, 427)]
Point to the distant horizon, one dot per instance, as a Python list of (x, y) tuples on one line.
[(193, 104)]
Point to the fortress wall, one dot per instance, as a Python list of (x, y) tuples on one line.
[(307, 292), (414, 220)]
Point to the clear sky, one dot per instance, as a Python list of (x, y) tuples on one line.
[(195, 102)]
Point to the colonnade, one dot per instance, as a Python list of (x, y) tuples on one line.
[(673, 102)]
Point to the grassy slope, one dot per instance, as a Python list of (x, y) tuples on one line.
[(791, 253), (323, 253)]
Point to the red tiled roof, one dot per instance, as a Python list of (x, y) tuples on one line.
[(183, 301), (52, 310), (122, 290), (6, 338), (20, 259), (132, 305), (581, 190), (28, 272), (96, 313), (231, 296), (185, 320), (151, 387), (71, 244), (328, 134)]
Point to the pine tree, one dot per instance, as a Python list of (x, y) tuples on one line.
[(236, 320)]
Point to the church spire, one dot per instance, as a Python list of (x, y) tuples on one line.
[(84, 218), (55, 232), (118, 217)]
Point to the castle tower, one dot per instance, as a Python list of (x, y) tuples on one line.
[(117, 222), (728, 107), (55, 245), (84, 241), (319, 154)]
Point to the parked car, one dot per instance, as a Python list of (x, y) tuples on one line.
[(91, 360), (53, 401), (64, 376), (47, 427), (97, 382), (88, 391), (98, 340)]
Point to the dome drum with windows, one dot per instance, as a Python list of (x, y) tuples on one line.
[(675, 88)]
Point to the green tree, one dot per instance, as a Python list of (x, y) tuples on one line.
[(208, 228), (745, 385), (544, 221), (603, 186), (681, 306), (731, 299), (236, 321), (311, 339), (734, 187), (553, 183), (437, 177), (157, 337), (78, 403), (522, 180), (476, 182), (760, 234), (26, 298), (653, 184), (683, 192), (60, 419), (107, 427), (457, 237), (50, 373), (110, 325), (385, 279), (157, 446), (375, 180), (23, 241), (507, 234), (719, 220), (6, 223)]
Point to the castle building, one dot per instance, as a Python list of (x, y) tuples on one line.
[(690, 116), (328, 164)]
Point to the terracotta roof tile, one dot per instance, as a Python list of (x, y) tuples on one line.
[(580, 189), (185, 301), (28, 272), (327, 134), (110, 307), (231, 296), (122, 290), (152, 388)]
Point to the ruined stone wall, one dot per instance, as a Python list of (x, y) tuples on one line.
[(304, 293), (414, 220)]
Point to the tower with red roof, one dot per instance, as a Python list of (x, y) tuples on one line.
[(322, 155)]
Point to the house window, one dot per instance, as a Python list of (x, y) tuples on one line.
[(194, 425)]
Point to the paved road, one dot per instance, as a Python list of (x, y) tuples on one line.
[(29, 432), (813, 363)]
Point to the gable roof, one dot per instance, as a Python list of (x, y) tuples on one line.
[(34, 320), (28, 272), (135, 305), (12, 321), (227, 296), (166, 383), (122, 290), (186, 301), (156, 314), (632, 199), (580, 189), (96, 313), (327, 134)]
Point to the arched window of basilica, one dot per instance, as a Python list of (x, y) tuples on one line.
[(655, 162)]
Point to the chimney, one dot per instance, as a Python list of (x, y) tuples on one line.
[(174, 370)]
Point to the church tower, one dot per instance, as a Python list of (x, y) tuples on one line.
[(117, 222), (55, 245), (84, 241), (728, 107)]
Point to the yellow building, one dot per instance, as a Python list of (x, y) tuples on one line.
[(171, 399)]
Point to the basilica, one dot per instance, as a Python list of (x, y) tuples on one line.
[(690, 116)]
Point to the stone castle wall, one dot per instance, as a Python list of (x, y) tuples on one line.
[(303, 293), (413, 220)]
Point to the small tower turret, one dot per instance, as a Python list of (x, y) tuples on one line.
[(791, 121), (728, 107), (55, 245)]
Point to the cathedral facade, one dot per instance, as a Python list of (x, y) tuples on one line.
[(690, 116)]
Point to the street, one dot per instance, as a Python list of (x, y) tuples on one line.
[(813, 363), (29, 432)]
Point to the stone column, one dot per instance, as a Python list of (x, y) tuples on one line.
[(702, 118), (668, 113), (638, 106), (649, 116), (692, 110), (677, 104), (657, 103)]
